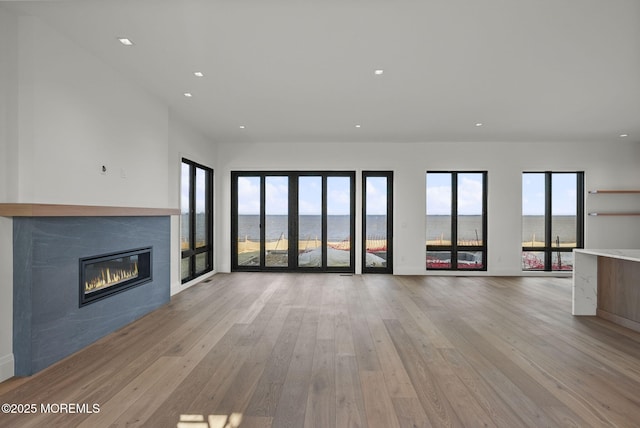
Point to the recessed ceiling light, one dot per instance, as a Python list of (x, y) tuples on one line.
[(125, 41), (378, 72), (242, 127), (188, 94), (624, 135), (198, 73), (358, 126), (479, 124)]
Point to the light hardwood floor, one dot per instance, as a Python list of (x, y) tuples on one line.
[(327, 350)]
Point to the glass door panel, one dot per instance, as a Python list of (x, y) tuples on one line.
[(276, 221), (338, 211), (248, 221), (377, 222), (309, 221)]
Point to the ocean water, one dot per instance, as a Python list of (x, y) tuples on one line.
[(469, 227), (563, 229), (309, 226)]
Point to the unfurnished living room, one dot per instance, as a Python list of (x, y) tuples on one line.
[(295, 213)]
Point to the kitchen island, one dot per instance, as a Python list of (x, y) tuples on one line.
[(606, 283)]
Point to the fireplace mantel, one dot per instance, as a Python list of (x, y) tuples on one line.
[(54, 210)]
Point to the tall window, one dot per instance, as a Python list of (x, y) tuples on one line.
[(196, 220), (456, 220), (552, 219)]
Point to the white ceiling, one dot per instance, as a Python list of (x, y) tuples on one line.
[(303, 70)]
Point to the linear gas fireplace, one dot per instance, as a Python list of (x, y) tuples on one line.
[(108, 274)]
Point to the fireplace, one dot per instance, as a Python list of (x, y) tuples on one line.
[(105, 275)]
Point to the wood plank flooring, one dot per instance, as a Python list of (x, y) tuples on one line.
[(328, 350)]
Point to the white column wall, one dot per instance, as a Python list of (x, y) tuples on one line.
[(8, 181)]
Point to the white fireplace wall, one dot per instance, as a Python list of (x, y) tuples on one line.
[(8, 181), (76, 115), (63, 114)]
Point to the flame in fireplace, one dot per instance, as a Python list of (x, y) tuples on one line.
[(108, 277)]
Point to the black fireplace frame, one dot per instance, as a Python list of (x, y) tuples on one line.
[(145, 266)]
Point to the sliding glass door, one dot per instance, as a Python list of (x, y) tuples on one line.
[(293, 221)]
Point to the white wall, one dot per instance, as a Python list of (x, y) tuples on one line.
[(184, 142), (8, 187), (63, 114), (76, 115), (605, 166)]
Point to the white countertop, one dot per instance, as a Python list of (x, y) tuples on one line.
[(628, 254)]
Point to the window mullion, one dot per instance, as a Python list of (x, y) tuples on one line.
[(548, 238), (192, 220), (263, 221), (294, 240), (324, 221), (454, 220), (580, 210)]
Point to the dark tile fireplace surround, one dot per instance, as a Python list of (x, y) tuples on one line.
[(49, 317)]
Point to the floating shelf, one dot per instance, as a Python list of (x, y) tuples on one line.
[(614, 214), (613, 191)]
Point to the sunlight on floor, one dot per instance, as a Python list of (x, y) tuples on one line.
[(213, 421)]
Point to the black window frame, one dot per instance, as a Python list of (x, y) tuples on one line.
[(389, 267), (455, 248), (292, 222), (548, 249), (193, 251)]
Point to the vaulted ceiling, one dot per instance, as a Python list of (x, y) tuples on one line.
[(304, 70)]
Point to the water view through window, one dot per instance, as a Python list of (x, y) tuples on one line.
[(310, 249), (196, 220), (456, 220), (552, 207), (307, 219)]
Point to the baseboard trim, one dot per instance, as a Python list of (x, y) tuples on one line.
[(6, 367), (177, 288)]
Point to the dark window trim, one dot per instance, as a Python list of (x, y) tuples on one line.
[(293, 221), (548, 249), (455, 248), (192, 252), (389, 176)]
